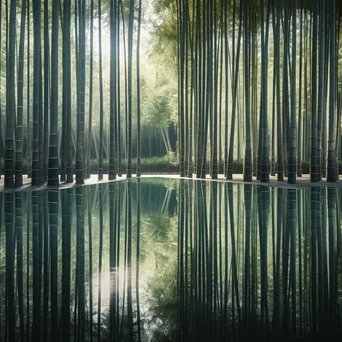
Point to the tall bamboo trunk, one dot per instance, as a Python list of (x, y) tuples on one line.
[(300, 110), (138, 94), (91, 77), (265, 161), (53, 170), (20, 105), (235, 75), (112, 170), (100, 170), (292, 164), (314, 172), (248, 147), (280, 176), (46, 91), (332, 175), (130, 88), (10, 100), (2, 150), (80, 92)]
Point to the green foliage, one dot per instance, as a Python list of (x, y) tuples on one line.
[(160, 109), (166, 164), (165, 30), (149, 165)]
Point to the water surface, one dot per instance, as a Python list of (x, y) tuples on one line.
[(167, 260)]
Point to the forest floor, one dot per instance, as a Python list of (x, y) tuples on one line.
[(302, 182)]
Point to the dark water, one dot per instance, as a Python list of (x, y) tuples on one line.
[(164, 260)]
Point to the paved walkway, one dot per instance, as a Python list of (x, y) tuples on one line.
[(302, 182)]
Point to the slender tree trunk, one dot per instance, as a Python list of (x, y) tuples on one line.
[(20, 105), (130, 88), (265, 164), (300, 111), (118, 87), (293, 133), (36, 90), (138, 96), (28, 99), (64, 141), (91, 76), (248, 149), (53, 178), (41, 119), (100, 171), (46, 89), (214, 93), (1, 130), (68, 155), (314, 172), (321, 80), (234, 99), (280, 176), (225, 28), (10, 99), (332, 168), (181, 90), (81, 94), (113, 91)]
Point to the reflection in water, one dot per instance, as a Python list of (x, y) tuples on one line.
[(158, 260)]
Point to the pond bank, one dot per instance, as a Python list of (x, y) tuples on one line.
[(302, 182)]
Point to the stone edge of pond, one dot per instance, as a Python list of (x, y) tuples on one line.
[(302, 182)]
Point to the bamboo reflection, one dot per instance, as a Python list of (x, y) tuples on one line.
[(3, 287), (67, 200), (10, 302), (19, 238), (53, 222), (80, 264), (113, 262), (36, 269), (45, 251), (90, 267), (278, 281)]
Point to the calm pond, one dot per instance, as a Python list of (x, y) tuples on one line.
[(167, 260)]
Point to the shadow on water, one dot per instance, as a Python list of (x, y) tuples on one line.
[(166, 260)]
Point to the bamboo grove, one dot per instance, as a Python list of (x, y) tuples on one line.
[(51, 140), (259, 81), (210, 260)]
